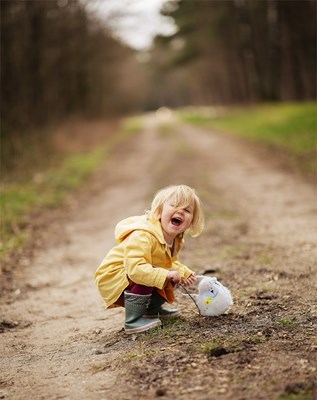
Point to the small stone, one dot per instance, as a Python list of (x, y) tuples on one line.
[(160, 392)]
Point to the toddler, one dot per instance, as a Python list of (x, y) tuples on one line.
[(141, 271)]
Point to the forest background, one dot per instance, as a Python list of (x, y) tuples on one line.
[(60, 61)]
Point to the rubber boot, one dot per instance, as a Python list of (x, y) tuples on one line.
[(156, 310), (135, 306)]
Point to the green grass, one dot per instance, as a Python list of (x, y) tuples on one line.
[(287, 323), (296, 396), (288, 127), (264, 259), (230, 344), (48, 189)]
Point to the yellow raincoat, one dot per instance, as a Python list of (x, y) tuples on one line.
[(142, 257)]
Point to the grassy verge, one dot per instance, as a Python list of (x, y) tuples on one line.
[(48, 188), (287, 127)]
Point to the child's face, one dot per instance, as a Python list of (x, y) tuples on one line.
[(175, 221)]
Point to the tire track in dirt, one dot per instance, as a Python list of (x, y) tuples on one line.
[(259, 239)]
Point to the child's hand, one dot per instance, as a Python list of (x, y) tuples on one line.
[(173, 276), (190, 280)]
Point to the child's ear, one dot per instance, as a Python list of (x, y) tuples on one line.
[(159, 212)]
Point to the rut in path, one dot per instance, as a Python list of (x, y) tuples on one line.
[(52, 349)]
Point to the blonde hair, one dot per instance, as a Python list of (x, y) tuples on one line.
[(182, 196)]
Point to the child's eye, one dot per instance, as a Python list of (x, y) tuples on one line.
[(187, 210)]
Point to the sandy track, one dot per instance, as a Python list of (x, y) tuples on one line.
[(52, 348)]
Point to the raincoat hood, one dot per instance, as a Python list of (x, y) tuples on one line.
[(144, 222)]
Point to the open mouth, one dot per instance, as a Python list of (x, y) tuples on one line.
[(176, 221)]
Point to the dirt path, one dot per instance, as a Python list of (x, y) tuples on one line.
[(260, 240)]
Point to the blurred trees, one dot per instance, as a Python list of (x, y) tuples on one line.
[(58, 60), (236, 51)]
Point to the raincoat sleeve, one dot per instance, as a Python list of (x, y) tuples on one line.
[(138, 261), (184, 272)]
